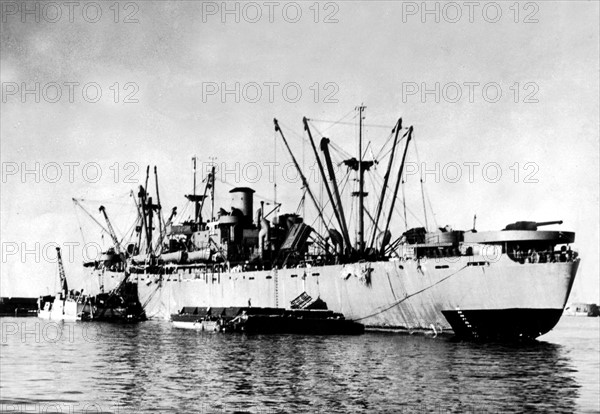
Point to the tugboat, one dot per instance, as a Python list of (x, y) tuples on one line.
[(485, 285), (66, 305), (119, 305)]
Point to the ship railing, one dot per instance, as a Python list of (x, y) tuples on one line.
[(207, 272), (563, 255)]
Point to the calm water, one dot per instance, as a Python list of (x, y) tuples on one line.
[(152, 367)]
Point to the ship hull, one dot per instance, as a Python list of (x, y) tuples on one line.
[(474, 297), (61, 311), (508, 324)]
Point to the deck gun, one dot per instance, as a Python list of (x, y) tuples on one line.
[(530, 225)]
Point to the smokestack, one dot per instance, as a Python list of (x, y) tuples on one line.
[(242, 199)]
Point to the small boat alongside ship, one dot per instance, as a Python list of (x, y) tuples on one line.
[(305, 316), (119, 305), (266, 321), (65, 305), (510, 284)]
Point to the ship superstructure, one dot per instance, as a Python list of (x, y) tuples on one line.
[(512, 283)]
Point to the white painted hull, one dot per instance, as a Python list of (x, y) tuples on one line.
[(207, 326), (403, 294), (61, 311)]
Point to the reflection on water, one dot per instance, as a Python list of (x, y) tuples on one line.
[(51, 367)]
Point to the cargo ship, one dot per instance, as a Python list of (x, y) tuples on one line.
[(511, 283)]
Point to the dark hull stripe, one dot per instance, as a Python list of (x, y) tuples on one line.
[(502, 324)]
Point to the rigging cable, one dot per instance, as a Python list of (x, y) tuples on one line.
[(390, 150), (333, 145), (404, 205), (396, 208), (80, 227), (408, 296), (334, 123), (422, 186), (352, 123)]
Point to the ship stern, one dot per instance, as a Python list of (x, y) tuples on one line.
[(530, 304)]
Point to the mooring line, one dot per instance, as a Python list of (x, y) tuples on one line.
[(410, 296)]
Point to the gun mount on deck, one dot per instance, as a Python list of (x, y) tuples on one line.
[(530, 225)]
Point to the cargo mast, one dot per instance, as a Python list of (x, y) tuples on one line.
[(398, 182), (161, 221), (212, 192), (196, 199), (386, 178), (325, 148), (361, 182), (304, 180), (194, 159), (334, 205)]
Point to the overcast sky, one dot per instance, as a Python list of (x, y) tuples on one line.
[(517, 94)]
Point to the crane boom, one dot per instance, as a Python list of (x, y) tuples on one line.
[(111, 231), (302, 176), (325, 149), (335, 207), (164, 234), (399, 180), (78, 204), (161, 220), (61, 273), (386, 178)]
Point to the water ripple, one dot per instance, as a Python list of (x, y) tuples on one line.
[(152, 367)]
